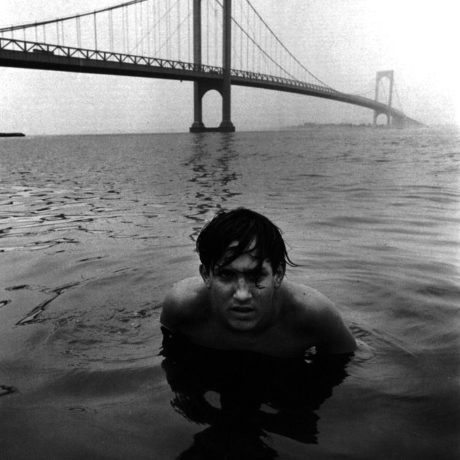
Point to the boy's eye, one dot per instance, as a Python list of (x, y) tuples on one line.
[(225, 274), (256, 278), (252, 277)]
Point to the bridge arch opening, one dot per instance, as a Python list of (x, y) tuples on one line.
[(212, 108), (382, 119)]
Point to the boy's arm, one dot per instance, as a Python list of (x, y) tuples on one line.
[(322, 319), (179, 305), (334, 337), (170, 312)]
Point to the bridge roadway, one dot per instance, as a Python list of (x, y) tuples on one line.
[(36, 55)]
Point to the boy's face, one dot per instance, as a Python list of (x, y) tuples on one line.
[(242, 292)]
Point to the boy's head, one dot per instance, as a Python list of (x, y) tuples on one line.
[(233, 233)]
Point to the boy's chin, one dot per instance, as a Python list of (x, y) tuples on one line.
[(242, 325)]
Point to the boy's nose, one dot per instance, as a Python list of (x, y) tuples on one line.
[(242, 292)]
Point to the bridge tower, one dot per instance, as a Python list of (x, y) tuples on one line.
[(223, 86), (380, 75)]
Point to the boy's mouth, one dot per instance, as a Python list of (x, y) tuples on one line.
[(242, 309)]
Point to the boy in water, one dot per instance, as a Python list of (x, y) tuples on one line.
[(242, 301)]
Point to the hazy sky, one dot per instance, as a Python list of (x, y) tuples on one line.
[(343, 42)]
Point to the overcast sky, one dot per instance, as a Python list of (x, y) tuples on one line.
[(343, 42)]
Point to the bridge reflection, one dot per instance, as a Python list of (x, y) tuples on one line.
[(212, 175)]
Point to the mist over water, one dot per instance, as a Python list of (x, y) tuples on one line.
[(95, 229)]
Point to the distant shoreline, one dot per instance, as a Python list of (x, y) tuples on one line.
[(340, 125), (12, 134)]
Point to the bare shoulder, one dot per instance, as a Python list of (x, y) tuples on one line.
[(181, 303), (315, 314), (306, 301)]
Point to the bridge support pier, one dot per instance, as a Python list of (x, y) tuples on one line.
[(226, 124), (222, 86), (198, 125)]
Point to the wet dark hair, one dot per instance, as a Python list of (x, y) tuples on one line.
[(243, 226)]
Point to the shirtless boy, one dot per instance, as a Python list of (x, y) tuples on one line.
[(241, 301)]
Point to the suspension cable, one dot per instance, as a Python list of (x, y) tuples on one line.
[(66, 18), (285, 48)]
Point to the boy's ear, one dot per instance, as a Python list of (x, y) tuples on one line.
[(205, 275), (279, 275)]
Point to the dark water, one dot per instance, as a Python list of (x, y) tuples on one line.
[(93, 231)]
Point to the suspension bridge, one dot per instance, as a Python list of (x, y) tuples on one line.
[(213, 43)]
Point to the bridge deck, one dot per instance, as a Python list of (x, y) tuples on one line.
[(35, 55)]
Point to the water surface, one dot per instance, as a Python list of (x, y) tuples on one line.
[(94, 230)]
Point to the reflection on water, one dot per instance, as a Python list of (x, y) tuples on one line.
[(211, 164), (245, 397), (6, 390)]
